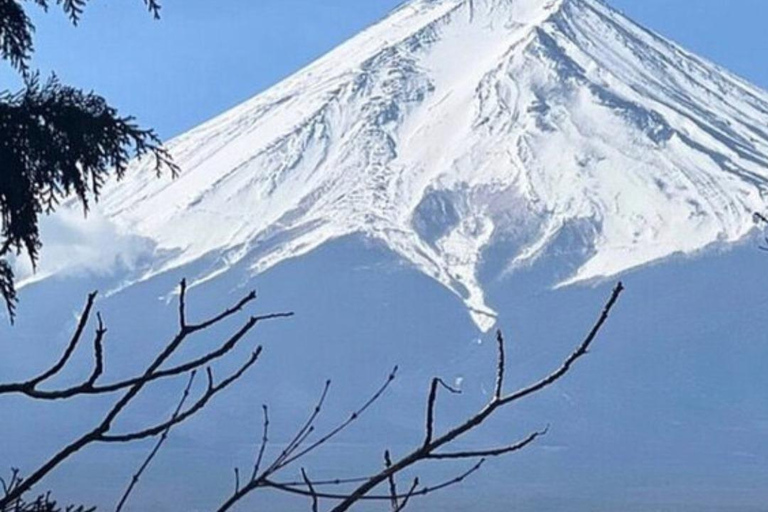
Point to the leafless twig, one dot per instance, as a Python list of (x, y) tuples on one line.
[(430, 451), (133, 387), (297, 448), (343, 492), (158, 445), (434, 447)]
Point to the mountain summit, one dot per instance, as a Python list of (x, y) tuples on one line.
[(455, 126)]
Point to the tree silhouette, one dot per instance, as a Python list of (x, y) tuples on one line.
[(56, 141)]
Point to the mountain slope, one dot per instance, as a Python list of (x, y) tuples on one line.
[(456, 126)]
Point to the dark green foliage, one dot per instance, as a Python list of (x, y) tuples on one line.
[(56, 142), (15, 34), (43, 503), (16, 28)]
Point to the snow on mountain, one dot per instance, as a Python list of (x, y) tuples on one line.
[(453, 126)]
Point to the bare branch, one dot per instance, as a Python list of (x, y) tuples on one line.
[(301, 491), (211, 391), (430, 427), (133, 387), (429, 450), (98, 353), (315, 503), (327, 483), (354, 416), (291, 453), (59, 365), (500, 366), (304, 431), (424, 452), (56, 368), (264, 441), (495, 452), (182, 305), (229, 312), (435, 447), (454, 481), (156, 449), (409, 495), (577, 354), (195, 364), (391, 481), (90, 388)]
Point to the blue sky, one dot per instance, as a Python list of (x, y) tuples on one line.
[(205, 56)]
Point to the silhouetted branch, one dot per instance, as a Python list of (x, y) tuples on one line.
[(89, 387), (430, 426), (232, 311), (493, 452), (427, 450), (263, 446), (578, 353), (56, 368), (408, 496), (311, 488), (300, 488), (296, 450), (431, 449), (29, 387), (211, 391), (183, 305), (98, 353), (305, 430), (101, 433), (352, 417), (59, 365), (326, 483), (500, 366), (135, 479), (394, 502), (380, 486)]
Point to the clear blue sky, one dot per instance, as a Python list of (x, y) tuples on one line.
[(207, 55)]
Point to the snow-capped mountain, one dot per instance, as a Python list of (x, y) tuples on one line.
[(498, 147), (454, 126)]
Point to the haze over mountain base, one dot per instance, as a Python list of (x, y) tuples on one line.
[(668, 412)]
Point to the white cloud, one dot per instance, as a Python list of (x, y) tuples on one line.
[(76, 244)]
